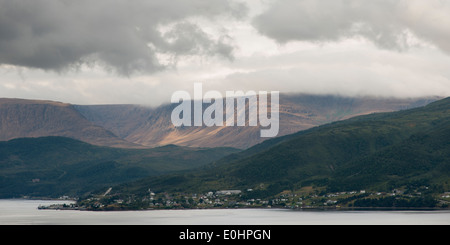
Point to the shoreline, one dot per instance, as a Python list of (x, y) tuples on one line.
[(309, 209), (41, 199), (72, 206)]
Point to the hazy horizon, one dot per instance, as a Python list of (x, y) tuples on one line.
[(140, 52)]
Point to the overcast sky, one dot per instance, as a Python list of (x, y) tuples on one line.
[(141, 51)]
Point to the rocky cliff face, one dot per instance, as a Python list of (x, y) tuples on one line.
[(30, 119)]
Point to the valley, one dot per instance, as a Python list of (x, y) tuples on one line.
[(131, 157)]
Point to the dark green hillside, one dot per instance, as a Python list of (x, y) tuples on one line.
[(378, 152), (316, 156), (422, 158), (55, 166)]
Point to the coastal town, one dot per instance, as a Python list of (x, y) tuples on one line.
[(304, 199)]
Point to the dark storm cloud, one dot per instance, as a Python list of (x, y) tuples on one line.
[(122, 35), (387, 23)]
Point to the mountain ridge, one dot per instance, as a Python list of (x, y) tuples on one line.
[(135, 126), (297, 113), (35, 118)]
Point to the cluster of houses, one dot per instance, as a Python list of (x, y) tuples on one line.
[(238, 198)]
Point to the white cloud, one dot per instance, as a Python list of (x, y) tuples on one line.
[(387, 23), (382, 48), (57, 35)]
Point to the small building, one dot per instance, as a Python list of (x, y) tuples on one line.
[(228, 192)]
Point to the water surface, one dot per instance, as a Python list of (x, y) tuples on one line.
[(25, 212)]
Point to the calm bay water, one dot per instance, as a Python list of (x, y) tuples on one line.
[(25, 212)]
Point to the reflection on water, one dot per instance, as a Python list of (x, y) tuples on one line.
[(25, 212)]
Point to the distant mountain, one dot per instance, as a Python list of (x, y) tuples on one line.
[(56, 166), (153, 126), (132, 126), (378, 152), (122, 120), (32, 118)]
